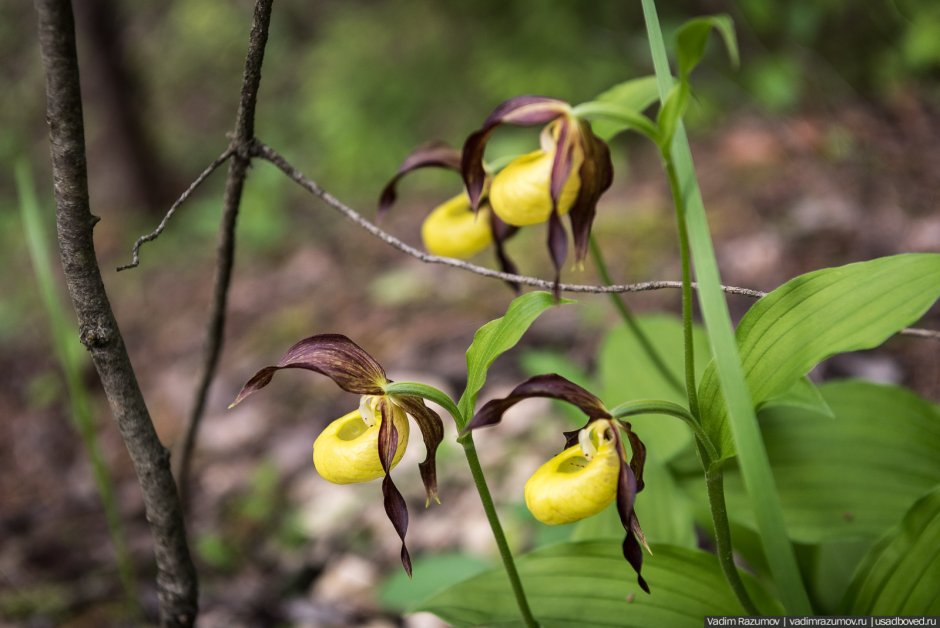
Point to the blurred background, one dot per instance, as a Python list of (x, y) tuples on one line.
[(821, 149)]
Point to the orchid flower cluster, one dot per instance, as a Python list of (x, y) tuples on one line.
[(565, 176), (368, 442)]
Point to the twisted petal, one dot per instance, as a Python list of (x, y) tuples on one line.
[(453, 229), (432, 430), (502, 232), (552, 386), (570, 487), (523, 111), (595, 175), (432, 155), (626, 495), (346, 452), (333, 355), (395, 507)]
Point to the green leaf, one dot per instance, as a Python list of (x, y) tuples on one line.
[(497, 337), (635, 95), (590, 585), (854, 476), (619, 118), (900, 574), (692, 37), (815, 316), (626, 374), (671, 112), (431, 575), (805, 395)]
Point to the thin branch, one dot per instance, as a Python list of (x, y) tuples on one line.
[(98, 329), (225, 255), (269, 154), (153, 235)]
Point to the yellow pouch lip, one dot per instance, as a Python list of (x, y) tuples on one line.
[(569, 487), (521, 192), (344, 453), (453, 230)]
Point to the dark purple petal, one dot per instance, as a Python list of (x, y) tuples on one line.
[(432, 429), (333, 355), (502, 232), (552, 386), (395, 506), (626, 494), (522, 111), (561, 164), (596, 173), (638, 459), (557, 247), (432, 155)]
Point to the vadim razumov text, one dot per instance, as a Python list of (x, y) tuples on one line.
[(810, 620)]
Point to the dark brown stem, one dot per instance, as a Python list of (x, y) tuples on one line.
[(225, 255), (176, 576)]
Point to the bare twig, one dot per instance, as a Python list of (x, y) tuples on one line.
[(153, 235), (176, 576), (225, 255), (266, 152)]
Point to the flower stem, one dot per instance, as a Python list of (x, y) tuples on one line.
[(621, 306), (477, 471), (714, 480), (690, 386)]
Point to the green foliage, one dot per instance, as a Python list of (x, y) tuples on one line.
[(852, 476), (589, 584), (497, 337), (815, 316), (900, 574), (431, 575)]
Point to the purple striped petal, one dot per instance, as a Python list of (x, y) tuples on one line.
[(432, 429), (333, 355), (596, 174), (395, 506), (432, 155)]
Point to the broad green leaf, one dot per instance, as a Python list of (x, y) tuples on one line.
[(671, 112), (431, 575), (635, 95), (803, 394), (497, 337), (900, 574), (627, 374), (829, 568), (854, 476), (692, 37), (590, 585), (815, 316)]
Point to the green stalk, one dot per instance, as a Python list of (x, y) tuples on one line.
[(714, 481), (620, 305), (68, 353), (690, 385), (753, 461), (489, 507), (441, 398)]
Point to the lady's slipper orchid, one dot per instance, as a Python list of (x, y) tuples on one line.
[(454, 228), (366, 443), (567, 176), (591, 472)]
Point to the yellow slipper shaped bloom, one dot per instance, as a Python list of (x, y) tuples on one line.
[(367, 443), (520, 193), (453, 229), (347, 451), (571, 486)]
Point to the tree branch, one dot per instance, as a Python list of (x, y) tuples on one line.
[(176, 576), (225, 256)]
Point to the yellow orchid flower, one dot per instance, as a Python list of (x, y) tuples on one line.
[(366, 443), (347, 451), (567, 176), (453, 229), (590, 473), (577, 483)]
